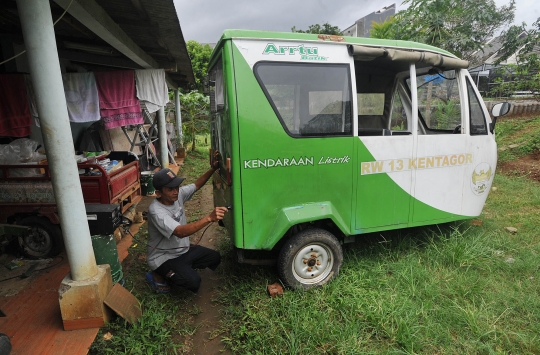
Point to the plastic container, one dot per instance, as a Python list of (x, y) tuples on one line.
[(106, 253), (147, 187)]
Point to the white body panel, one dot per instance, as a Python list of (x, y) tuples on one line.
[(449, 172)]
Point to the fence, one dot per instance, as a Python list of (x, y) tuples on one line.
[(519, 107)]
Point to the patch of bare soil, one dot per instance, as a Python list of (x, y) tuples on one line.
[(206, 340), (528, 166)]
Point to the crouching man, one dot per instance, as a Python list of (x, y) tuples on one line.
[(170, 255)]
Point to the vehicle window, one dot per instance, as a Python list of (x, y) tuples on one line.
[(309, 99), (438, 102), (219, 117), (478, 120), (217, 97)]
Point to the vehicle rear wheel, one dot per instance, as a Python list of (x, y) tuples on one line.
[(311, 258), (44, 239)]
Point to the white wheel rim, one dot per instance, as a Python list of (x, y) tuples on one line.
[(312, 264)]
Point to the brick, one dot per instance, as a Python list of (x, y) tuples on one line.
[(275, 289)]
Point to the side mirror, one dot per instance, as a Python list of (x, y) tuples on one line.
[(500, 109)]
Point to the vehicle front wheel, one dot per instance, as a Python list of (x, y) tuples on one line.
[(44, 239), (310, 258)]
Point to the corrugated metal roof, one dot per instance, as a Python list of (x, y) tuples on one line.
[(152, 25)]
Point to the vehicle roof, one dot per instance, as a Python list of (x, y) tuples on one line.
[(306, 37)]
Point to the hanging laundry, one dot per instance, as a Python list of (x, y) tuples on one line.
[(15, 119), (118, 103), (152, 88), (81, 97)]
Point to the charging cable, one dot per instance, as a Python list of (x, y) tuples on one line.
[(126, 224)]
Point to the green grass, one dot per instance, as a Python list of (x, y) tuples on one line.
[(447, 291), (166, 320), (524, 132), (451, 289), (454, 289)]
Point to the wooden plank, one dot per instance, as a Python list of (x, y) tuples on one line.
[(75, 324), (34, 322), (124, 303)]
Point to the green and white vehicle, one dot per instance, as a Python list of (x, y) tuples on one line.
[(324, 138)]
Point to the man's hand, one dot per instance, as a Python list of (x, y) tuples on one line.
[(185, 230), (218, 213), (216, 160), (204, 177)]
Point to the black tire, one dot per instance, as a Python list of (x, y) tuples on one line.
[(5, 344), (309, 259), (42, 241)]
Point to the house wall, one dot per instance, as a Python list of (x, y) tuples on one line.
[(362, 27)]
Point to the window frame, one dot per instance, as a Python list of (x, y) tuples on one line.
[(277, 112), (421, 117), (479, 100), (400, 91), (217, 66)]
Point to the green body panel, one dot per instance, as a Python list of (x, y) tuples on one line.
[(268, 201), (225, 195), (290, 216), (269, 192)]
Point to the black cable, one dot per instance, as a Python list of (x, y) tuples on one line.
[(155, 248), (440, 75), (444, 77), (43, 268)]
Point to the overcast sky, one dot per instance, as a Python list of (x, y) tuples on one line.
[(204, 21)]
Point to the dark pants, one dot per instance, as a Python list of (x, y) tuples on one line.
[(180, 271)]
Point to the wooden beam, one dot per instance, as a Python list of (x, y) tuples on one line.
[(94, 17), (90, 58)]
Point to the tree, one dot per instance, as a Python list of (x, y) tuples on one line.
[(519, 40), (461, 27), (200, 56), (385, 30), (195, 112), (326, 29), (524, 75)]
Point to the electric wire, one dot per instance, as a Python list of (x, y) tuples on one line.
[(192, 245), (24, 51)]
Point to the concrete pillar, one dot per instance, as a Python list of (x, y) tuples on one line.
[(162, 134), (178, 115), (38, 33), (83, 290)]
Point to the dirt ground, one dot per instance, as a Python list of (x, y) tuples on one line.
[(206, 340), (525, 166)]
